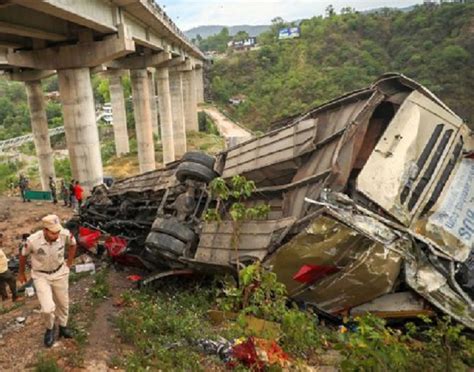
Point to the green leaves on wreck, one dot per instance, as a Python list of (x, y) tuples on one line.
[(230, 200)]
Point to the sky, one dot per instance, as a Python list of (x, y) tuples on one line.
[(191, 13)]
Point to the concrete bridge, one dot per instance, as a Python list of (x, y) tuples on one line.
[(77, 38)]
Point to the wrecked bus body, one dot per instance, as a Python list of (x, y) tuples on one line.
[(372, 206)]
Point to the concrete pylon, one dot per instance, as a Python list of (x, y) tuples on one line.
[(154, 109), (199, 83), (166, 116), (177, 105), (190, 101), (39, 125), (80, 125), (122, 145), (143, 119)]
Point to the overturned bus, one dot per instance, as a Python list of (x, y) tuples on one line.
[(371, 206)]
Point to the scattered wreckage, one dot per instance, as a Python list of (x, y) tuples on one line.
[(371, 200)]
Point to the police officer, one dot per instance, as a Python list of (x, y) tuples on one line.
[(50, 273), (23, 183), (52, 187)]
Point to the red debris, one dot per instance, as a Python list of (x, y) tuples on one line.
[(257, 354), (88, 238), (312, 273), (134, 278), (115, 246)]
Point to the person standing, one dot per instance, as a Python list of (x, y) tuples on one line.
[(50, 273), (78, 191), (6, 276), (65, 193), (23, 184), (52, 187), (72, 198)]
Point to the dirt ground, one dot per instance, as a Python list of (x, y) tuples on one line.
[(21, 324), (17, 218)]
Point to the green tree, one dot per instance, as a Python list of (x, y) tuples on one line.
[(345, 52)]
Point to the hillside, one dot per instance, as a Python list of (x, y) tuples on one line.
[(206, 31), (434, 45)]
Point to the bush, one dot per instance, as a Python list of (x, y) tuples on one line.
[(8, 175), (62, 168)]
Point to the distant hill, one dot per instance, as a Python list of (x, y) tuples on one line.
[(206, 31), (333, 55)]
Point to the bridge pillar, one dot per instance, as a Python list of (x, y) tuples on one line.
[(119, 114), (199, 79), (166, 115), (154, 110), (179, 128), (39, 126), (190, 101), (143, 119), (80, 125)]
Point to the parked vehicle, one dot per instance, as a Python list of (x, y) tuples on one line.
[(372, 206)]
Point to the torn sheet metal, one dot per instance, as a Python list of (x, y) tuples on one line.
[(394, 305), (365, 267), (216, 248), (408, 157), (428, 282), (451, 225)]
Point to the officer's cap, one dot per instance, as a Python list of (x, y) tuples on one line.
[(52, 223)]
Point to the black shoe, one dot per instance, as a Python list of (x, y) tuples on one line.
[(65, 332), (49, 337)]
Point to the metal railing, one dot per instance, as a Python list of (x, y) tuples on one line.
[(18, 141)]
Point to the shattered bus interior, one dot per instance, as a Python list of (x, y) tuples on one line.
[(371, 199)]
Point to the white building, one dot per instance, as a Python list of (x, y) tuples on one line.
[(107, 113)]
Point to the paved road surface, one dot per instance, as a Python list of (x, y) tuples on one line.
[(232, 132)]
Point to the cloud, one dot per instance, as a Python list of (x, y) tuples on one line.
[(192, 13)]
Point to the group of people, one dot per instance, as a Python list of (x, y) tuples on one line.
[(71, 194), (49, 271)]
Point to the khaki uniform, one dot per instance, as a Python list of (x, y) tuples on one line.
[(50, 274), (3, 262)]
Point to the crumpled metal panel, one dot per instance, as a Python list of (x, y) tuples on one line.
[(435, 287), (255, 238), (339, 144), (275, 147), (405, 161), (367, 268), (450, 224), (371, 275)]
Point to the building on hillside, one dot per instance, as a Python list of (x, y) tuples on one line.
[(242, 45), (107, 113), (53, 96), (237, 99), (289, 33)]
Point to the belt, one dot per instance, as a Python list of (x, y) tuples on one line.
[(50, 272)]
